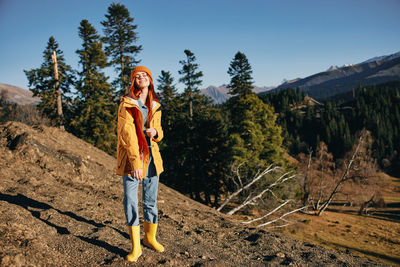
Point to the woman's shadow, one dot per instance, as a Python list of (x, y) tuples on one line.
[(30, 204)]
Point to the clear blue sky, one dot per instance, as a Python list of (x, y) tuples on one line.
[(282, 39)]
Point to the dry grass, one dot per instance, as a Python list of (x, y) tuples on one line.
[(375, 236)]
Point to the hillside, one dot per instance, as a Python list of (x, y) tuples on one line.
[(61, 204), (18, 95)]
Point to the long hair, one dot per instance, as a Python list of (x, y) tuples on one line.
[(135, 92)]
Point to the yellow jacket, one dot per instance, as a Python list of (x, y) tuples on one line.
[(129, 156)]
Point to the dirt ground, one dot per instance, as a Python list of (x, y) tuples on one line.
[(61, 205)]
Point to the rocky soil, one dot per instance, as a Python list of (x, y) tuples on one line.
[(61, 205)]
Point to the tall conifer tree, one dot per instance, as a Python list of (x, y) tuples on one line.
[(191, 74), (240, 71), (191, 79), (196, 134), (94, 118), (167, 89), (174, 125), (168, 97), (43, 84), (254, 139), (120, 36)]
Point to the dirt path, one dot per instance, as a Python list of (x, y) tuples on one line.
[(61, 205)]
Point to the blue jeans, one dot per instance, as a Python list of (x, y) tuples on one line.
[(149, 196)]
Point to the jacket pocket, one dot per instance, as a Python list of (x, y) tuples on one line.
[(122, 158)]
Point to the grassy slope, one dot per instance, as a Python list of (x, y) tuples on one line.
[(375, 236)]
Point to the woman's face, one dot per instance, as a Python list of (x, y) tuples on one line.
[(142, 80)]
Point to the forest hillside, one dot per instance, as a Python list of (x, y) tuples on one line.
[(61, 204)]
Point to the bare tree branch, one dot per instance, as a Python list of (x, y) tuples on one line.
[(269, 213), (270, 168), (280, 218), (280, 180), (280, 226)]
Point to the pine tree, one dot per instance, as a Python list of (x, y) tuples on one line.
[(191, 80), (43, 83), (198, 136), (94, 119), (166, 87), (120, 37), (191, 75), (240, 71), (255, 139), (189, 128), (168, 97)]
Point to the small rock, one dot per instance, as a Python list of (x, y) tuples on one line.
[(280, 255), (19, 260), (5, 261)]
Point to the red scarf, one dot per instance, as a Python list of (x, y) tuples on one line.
[(138, 120)]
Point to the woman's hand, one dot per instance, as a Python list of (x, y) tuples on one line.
[(151, 132), (138, 174)]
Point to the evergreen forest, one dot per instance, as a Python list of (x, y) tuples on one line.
[(306, 122)]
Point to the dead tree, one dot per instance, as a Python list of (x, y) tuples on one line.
[(306, 190), (348, 168), (317, 176), (57, 90), (375, 201)]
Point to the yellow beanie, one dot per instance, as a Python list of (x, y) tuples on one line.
[(141, 69)]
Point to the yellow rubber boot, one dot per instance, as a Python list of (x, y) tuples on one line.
[(150, 230), (136, 252)]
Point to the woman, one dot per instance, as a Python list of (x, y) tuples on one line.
[(139, 159)]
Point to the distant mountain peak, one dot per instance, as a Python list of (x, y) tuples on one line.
[(380, 58), (335, 67)]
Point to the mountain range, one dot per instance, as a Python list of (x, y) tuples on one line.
[(334, 81), (341, 80)]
